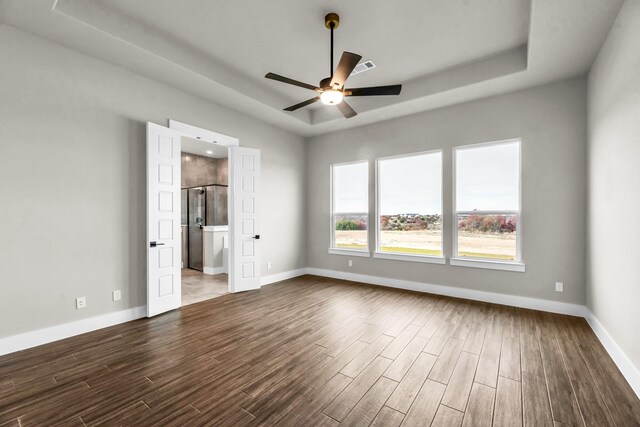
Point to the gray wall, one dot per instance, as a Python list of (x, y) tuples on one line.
[(72, 181), (200, 170), (551, 120), (613, 291)]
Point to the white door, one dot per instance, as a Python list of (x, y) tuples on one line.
[(244, 242), (163, 220)]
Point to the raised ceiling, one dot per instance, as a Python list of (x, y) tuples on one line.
[(443, 52), (289, 37)]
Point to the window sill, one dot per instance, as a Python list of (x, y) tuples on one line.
[(411, 258), (349, 252), (491, 265)]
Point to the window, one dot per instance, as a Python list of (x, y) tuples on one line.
[(487, 203), (350, 206), (409, 206)]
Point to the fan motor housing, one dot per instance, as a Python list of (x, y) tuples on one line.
[(325, 83)]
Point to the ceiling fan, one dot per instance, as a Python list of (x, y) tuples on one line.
[(331, 90)]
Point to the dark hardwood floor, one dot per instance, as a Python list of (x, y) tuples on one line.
[(322, 352)]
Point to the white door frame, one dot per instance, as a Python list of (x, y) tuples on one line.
[(224, 141)]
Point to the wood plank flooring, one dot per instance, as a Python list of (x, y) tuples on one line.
[(322, 352)]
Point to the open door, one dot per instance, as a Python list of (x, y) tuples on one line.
[(244, 229), (163, 220)]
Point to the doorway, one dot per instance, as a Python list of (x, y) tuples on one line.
[(164, 222), (204, 220)]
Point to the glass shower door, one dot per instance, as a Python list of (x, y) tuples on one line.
[(196, 222), (217, 205), (184, 228)]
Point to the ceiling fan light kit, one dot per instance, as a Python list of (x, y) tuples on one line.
[(331, 97), (331, 90)]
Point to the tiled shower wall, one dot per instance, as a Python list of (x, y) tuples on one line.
[(200, 170)]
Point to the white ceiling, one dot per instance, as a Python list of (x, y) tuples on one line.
[(289, 37), (443, 52), (203, 148)]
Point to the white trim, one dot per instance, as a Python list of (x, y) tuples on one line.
[(377, 161), (332, 225), (494, 212), (66, 330), (629, 371), (54, 333), (223, 140), (504, 299), (350, 252), (454, 211), (279, 277), (203, 134), (431, 259), (213, 270), (619, 357), (410, 154), (58, 332), (488, 264), (487, 144)]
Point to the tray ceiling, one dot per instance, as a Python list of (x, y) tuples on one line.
[(443, 52)]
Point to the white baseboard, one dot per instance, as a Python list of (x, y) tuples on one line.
[(66, 330), (58, 332), (213, 270), (279, 277), (628, 369), (54, 333), (451, 291)]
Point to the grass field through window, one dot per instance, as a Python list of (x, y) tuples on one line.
[(473, 245)]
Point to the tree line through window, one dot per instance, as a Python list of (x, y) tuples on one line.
[(409, 211), (409, 190), (350, 204), (487, 201)]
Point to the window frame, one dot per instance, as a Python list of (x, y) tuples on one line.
[(478, 262), (434, 259), (333, 249)]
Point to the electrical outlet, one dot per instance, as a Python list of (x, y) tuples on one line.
[(117, 295), (559, 287), (81, 302), (269, 265), (350, 263)]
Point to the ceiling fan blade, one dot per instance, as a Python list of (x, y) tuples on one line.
[(347, 63), (346, 110), (302, 104), (287, 80), (376, 91)]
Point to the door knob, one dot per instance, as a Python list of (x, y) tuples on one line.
[(257, 237), (154, 244)]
